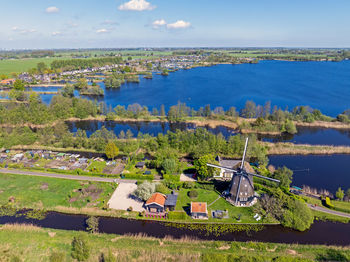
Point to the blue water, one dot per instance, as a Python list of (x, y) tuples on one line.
[(318, 171), (314, 136), (322, 85), (151, 128)]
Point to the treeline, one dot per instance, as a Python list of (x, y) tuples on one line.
[(35, 112), (72, 64)]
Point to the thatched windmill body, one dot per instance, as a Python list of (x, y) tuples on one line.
[(241, 190)]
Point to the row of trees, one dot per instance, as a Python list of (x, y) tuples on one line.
[(72, 64)]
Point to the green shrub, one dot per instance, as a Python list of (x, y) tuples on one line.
[(92, 224), (138, 176), (328, 203), (80, 249), (177, 215), (57, 257), (161, 188), (173, 178), (192, 194), (188, 185), (205, 185)]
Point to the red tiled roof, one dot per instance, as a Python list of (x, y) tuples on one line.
[(157, 198), (199, 207)]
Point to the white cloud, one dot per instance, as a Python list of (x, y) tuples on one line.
[(15, 28), (26, 31), (102, 31), (179, 24), (109, 22), (56, 33), (158, 23), (136, 5), (52, 9)]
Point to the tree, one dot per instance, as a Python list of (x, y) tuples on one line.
[(290, 127), (41, 67), (299, 216), (249, 111), (207, 111), (145, 190), (68, 90), (340, 194), (169, 166), (284, 175), (92, 224), (205, 172), (348, 193), (80, 249), (19, 85), (111, 150), (162, 110)]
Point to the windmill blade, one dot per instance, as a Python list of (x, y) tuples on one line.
[(222, 167), (238, 188), (264, 177), (244, 152)]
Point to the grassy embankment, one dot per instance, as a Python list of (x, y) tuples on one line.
[(29, 243)]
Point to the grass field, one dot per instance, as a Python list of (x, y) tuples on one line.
[(29, 243), (44, 192), (22, 65)]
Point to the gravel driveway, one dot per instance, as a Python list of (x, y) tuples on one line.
[(122, 200)]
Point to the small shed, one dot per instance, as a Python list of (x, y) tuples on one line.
[(140, 165), (155, 204), (199, 210), (170, 202)]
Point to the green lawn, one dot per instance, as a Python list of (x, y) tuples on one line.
[(341, 206), (246, 213), (44, 192)]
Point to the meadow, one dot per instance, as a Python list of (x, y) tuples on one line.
[(30, 243)]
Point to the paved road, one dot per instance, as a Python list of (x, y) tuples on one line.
[(73, 177), (329, 211)]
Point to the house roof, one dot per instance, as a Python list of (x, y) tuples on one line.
[(156, 198), (171, 200), (199, 207)]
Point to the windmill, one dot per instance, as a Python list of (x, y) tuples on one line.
[(241, 190)]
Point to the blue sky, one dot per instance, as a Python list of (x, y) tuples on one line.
[(174, 23)]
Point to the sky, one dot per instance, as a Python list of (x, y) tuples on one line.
[(40, 24)]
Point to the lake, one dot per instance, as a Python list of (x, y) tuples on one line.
[(151, 128), (321, 85), (317, 171), (305, 135)]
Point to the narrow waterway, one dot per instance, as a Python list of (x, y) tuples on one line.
[(337, 233)]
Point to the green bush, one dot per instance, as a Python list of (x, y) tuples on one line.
[(192, 194), (138, 176), (173, 178), (177, 215), (57, 257), (188, 185), (205, 185), (161, 188), (328, 203), (80, 249)]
